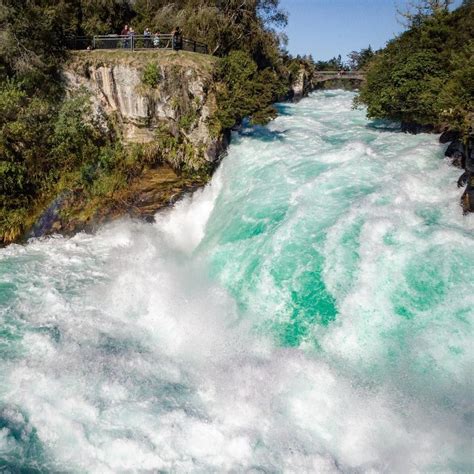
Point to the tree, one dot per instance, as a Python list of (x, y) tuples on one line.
[(333, 64), (102, 16), (359, 59), (33, 34), (425, 75), (225, 26), (417, 11), (249, 92)]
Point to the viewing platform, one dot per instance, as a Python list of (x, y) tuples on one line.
[(135, 43)]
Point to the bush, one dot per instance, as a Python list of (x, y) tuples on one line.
[(425, 76), (247, 92), (76, 137), (151, 75)]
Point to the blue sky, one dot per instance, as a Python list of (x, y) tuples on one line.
[(326, 28)]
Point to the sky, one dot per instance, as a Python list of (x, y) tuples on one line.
[(326, 28)]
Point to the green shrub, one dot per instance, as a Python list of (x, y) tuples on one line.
[(151, 75), (247, 91), (76, 137), (12, 223), (88, 173), (187, 120)]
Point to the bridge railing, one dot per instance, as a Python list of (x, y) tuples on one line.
[(135, 43), (340, 73)]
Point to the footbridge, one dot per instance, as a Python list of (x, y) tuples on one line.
[(323, 76)]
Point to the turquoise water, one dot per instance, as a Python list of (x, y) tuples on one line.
[(308, 311)]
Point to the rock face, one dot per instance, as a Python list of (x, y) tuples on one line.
[(415, 128), (179, 95), (461, 155), (448, 136), (302, 85), (456, 152), (163, 100)]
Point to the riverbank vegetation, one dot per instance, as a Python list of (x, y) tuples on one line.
[(424, 78), (49, 142)]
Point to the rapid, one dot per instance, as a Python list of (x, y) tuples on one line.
[(310, 310)]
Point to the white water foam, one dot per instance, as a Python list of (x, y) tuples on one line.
[(141, 348)]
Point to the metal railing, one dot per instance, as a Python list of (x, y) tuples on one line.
[(136, 43), (340, 73), (78, 42)]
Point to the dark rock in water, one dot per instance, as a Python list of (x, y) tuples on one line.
[(469, 163), (454, 146), (462, 181), (449, 136), (414, 128), (467, 199), (456, 152)]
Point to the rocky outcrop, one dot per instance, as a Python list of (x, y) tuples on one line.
[(456, 152), (147, 91), (415, 128), (301, 86), (461, 155), (154, 189), (448, 136), (165, 102)]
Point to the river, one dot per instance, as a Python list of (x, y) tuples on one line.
[(310, 310)]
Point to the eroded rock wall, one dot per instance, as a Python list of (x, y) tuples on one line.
[(182, 99)]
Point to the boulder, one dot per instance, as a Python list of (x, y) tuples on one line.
[(467, 199), (448, 136), (456, 152)]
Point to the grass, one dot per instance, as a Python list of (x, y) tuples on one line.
[(202, 63)]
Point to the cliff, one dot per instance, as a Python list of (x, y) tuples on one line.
[(302, 85), (160, 102), (150, 90)]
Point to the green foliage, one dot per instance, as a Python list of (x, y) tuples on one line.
[(425, 76), (12, 224), (360, 59), (32, 43), (24, 128), (107, 184), (455, 101), (76, 136), (102, 17), (224, 26), (248, 91), (417, 12), (174, 149), (334, 64), (151, 75), (188, 119), (41, 146)]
